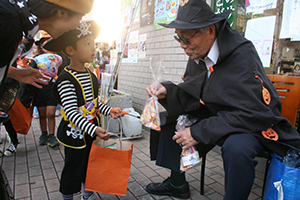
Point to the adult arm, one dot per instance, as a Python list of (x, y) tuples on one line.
[(28, 76)]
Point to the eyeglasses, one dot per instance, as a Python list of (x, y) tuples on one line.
[(185, 40)]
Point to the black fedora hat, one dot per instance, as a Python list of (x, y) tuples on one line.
[(85, 28), (194, 14)]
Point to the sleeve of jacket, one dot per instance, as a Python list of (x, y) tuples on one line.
[(236, 102), (177, 101)]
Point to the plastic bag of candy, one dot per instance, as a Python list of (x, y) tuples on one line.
[(150, 115), (189, 157)]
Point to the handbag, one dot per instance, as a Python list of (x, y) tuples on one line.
[(283, 182), (20, 117), (109, 165)]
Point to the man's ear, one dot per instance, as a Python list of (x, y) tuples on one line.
[(212, 30), (70, 50)]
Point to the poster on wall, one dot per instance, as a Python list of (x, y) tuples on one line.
[(113, 56), (222, 5), (132, 48), (147, 12), (258, 6), (128, 9), (261, 31), (142, 46), (165, 12), (290, 20)]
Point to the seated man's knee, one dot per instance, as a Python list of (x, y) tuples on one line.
[(239, 148)]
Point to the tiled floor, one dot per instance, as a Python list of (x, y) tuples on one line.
[(34, 172)]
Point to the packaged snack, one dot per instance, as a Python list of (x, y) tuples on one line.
[(150, 116), (189, 157), (48, 63)]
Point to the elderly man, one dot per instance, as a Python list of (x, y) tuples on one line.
[(226, 88)]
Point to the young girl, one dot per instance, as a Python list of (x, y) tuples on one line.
[(76, 89)]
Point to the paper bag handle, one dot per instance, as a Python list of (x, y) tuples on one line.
[(120, 138)]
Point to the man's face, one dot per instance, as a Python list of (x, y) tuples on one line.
[(62, 23), (200, 44)]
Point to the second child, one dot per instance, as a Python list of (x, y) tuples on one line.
[(76, 89)]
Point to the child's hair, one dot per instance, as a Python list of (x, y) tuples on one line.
[(106, 53), (40, 42), (37, 43)]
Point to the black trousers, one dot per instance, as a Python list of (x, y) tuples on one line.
[(11, 132), (74, 171), (166, 151), (238, 154)]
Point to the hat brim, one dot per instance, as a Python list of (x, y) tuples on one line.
[(60, 43), (196, 25)]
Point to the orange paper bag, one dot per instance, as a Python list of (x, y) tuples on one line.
[(109, 166), (20, 117)]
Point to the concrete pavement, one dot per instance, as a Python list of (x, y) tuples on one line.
[(34, 171)]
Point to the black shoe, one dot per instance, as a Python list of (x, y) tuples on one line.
[(52, 141), (167, 188), (43, 138)]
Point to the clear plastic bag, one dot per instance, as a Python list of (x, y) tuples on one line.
[(189, 157), (150, 116), (292, 158)]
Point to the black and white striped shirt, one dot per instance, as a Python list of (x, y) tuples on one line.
[(67, 93)]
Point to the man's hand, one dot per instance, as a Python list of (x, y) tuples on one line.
[(185, 139), (157, 89), (103, 134), (29, 76)]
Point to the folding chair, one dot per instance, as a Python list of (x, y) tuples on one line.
[(288, 89)]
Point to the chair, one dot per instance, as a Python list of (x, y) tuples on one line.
[(288, 89)]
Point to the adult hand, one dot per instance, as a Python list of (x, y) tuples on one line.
[(29, 76), (185, 139), (160, 91), (103, 134), (117, 114)]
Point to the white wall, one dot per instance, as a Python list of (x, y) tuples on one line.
[(134, 78)]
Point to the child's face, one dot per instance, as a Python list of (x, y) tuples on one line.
[(85, 50), (35, 50)]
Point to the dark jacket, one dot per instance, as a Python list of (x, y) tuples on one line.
[(233, 96)]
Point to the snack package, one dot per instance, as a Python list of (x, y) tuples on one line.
[(189, 157), (150, 116), (48, 63)]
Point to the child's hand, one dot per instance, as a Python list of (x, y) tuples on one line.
[(116, 113), (103, 134)]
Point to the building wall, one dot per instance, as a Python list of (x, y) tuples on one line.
[(134, 78)]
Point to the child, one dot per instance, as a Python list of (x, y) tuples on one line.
[(45, 103), (76, 89)]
